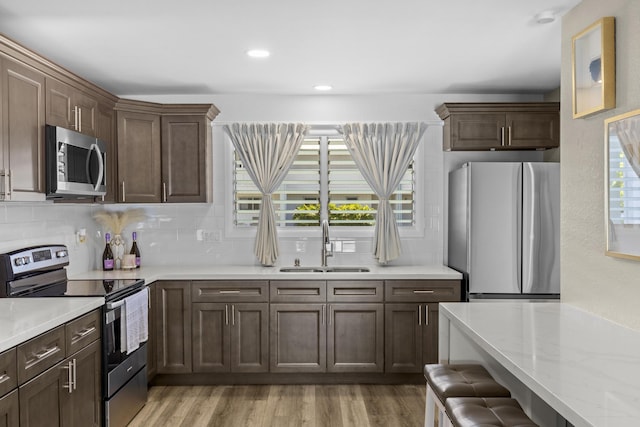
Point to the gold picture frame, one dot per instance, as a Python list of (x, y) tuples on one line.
[(622, 183), (593, 61)]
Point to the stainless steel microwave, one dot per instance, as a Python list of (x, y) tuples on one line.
[(76, 164)]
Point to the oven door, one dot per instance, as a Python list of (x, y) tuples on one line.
[(125, 375)]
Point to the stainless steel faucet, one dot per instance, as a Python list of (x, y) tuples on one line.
[(327, 247)]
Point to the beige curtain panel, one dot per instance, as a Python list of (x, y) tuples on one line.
[(382, 152), (267, 152)]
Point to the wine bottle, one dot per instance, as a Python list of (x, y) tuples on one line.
[(107, 255), (134, 249)]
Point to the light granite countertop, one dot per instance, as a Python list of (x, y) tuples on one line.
[(243, 272), (584, 366), (24, 318)]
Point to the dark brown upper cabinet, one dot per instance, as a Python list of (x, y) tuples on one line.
[(175, 143), (500, 126), (71, 108)]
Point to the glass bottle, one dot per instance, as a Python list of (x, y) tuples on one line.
[(107, 255), (134, 249)]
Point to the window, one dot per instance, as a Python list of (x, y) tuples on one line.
[(624, 190), (323, 183)]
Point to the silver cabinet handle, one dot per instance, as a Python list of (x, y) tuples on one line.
[(502, 136), (233, 315), (4, 377), (330, 313), (75, 118), (423, 291), (323, 312), (226, 314), (419, 315), (229, 291), (79, 119), (83, 333), (164, 192), (6, 194), (509, 135), (75, 371), (69, 384), (426, 315), (124, 194), (48, 352)]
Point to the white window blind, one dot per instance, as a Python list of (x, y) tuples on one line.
[(624, 188), (323, 182)]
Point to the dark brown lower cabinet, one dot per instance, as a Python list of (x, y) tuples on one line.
[(411, 336), (51, 399), (298, 337), (9, 410), (355, 338), (230, 337), (173, 321)]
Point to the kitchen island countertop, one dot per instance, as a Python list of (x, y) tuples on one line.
[(583, 366), (244, 272), (26, 318)]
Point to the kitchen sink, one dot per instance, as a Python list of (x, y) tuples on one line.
[(324, 270)]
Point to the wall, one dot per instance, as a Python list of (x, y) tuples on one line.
[(603, 285), (169, 236)]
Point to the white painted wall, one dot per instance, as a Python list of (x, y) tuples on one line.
[(606, 286), (169, 235)]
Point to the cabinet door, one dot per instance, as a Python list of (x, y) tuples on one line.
[(533, 130), (430, 333), (211, 337), (173, 320), (152, 353), (59, 110), (70, 108), (23, 130), (250, 337), (9, 410), (298, 338), (355, 338), (403, 338), (477, 131), (105, 131), (44, 401), (138, 157), (86, 398), (184, 159)]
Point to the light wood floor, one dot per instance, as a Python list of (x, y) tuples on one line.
[(284, 405)]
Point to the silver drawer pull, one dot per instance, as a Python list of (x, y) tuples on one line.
[(47, 353), (418, 291), (4, 377), (230, 292), (83, 333)]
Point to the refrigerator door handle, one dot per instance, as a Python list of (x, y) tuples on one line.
[(529, 235)]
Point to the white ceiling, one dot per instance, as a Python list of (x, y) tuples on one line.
[(145, 47)]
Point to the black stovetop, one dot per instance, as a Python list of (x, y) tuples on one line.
[(109, 289)]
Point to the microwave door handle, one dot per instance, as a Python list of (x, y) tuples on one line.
[(94, 147)]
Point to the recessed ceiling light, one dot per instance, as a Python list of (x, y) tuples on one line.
[(323, 88), (258, 53)]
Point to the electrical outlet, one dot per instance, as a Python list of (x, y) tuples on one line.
[(301, 246), (348, 246)]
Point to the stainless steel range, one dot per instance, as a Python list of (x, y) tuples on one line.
[(40, 272)]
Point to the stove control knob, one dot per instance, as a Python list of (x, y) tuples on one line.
[(18, 262), (61, 254), (27, 260)]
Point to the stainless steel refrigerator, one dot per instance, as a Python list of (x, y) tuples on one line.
[(504, 229)]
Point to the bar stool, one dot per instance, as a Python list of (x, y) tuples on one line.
[(445, 381), (486, 412)]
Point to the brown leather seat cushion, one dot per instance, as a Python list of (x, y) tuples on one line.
[(486, 412), (462, 381)]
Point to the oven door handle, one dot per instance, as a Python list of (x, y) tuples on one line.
[(115, 304)]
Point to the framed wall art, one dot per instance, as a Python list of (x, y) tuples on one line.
[(593, 60), (622, 183)]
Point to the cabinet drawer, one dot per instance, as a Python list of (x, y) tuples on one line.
[(40, 353), (8, 377), (82, 331), (422, 290), (294, 291), (354, 291), (230, 291)]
